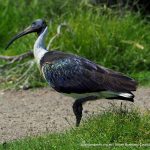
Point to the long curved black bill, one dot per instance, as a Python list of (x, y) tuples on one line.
[(26, 31)]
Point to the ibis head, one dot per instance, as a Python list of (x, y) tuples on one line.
[(37, 26)]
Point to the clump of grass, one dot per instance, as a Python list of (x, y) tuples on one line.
[(117, 125), (22, 75)]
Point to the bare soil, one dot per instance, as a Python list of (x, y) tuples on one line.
[(38, 111)]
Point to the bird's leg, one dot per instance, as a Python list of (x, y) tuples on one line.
[(77, 107)]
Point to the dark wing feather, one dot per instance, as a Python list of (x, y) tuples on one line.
[(73, 74)]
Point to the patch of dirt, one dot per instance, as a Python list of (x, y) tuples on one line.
[(38, 111)]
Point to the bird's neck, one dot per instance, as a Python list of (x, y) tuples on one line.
[(39, 46)]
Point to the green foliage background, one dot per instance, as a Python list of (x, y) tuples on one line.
[(117, 39)]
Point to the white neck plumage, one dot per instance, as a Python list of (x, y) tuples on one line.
[(39, 46)]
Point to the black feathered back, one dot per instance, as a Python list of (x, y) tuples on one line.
[(68, 73)]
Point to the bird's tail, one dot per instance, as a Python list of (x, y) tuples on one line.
[(128, 96)]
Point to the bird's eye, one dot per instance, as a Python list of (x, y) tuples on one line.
[(33, 24)]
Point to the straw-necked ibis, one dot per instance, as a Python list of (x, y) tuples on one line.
[(77, 76)]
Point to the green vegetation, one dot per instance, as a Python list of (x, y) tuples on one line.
[(113, 38), (112, 127)]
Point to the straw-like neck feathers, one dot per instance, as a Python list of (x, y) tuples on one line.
[(39, 46)]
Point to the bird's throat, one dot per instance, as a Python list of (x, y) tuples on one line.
[(39, 46)]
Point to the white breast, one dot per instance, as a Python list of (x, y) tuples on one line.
[(38, 54)]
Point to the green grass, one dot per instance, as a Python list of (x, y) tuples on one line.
[(116, 40), (111, 127)]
